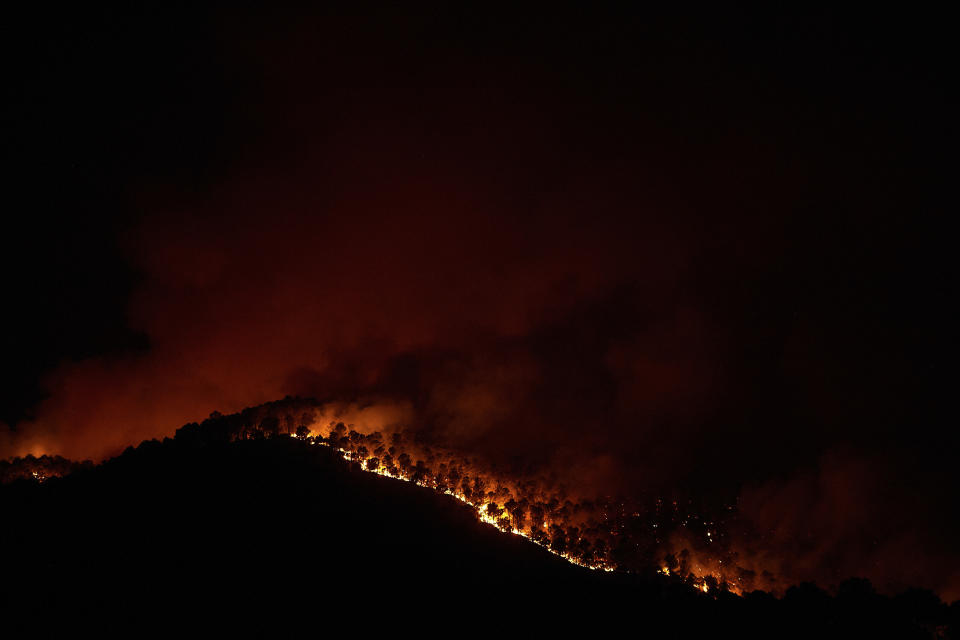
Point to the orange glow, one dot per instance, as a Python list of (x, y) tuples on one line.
[(493, 513)]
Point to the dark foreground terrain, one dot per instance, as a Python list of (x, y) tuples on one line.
[(275, 535)]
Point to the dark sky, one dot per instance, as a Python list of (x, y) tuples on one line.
[(667, 250)]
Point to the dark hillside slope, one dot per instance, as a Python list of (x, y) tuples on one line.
[(274, 532)]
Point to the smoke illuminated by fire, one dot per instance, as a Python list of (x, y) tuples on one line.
[(637, 265)]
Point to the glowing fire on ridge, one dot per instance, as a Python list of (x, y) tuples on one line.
[(598, 533), (487, 512)]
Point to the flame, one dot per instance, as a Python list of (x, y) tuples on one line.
[(493, 513), (481, 508), (588, 533)]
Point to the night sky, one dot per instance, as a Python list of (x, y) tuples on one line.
[(702, 252)]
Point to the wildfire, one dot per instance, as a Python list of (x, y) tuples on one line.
[(601, 533), (493, 513), (483, 509)]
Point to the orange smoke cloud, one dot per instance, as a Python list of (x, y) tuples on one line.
[(263, 293), (542, 275)]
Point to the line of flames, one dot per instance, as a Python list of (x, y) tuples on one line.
[(482, 515)]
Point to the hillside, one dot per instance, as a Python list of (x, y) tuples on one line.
[(275, 532)]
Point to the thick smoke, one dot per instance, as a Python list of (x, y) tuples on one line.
[(531, 276)]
